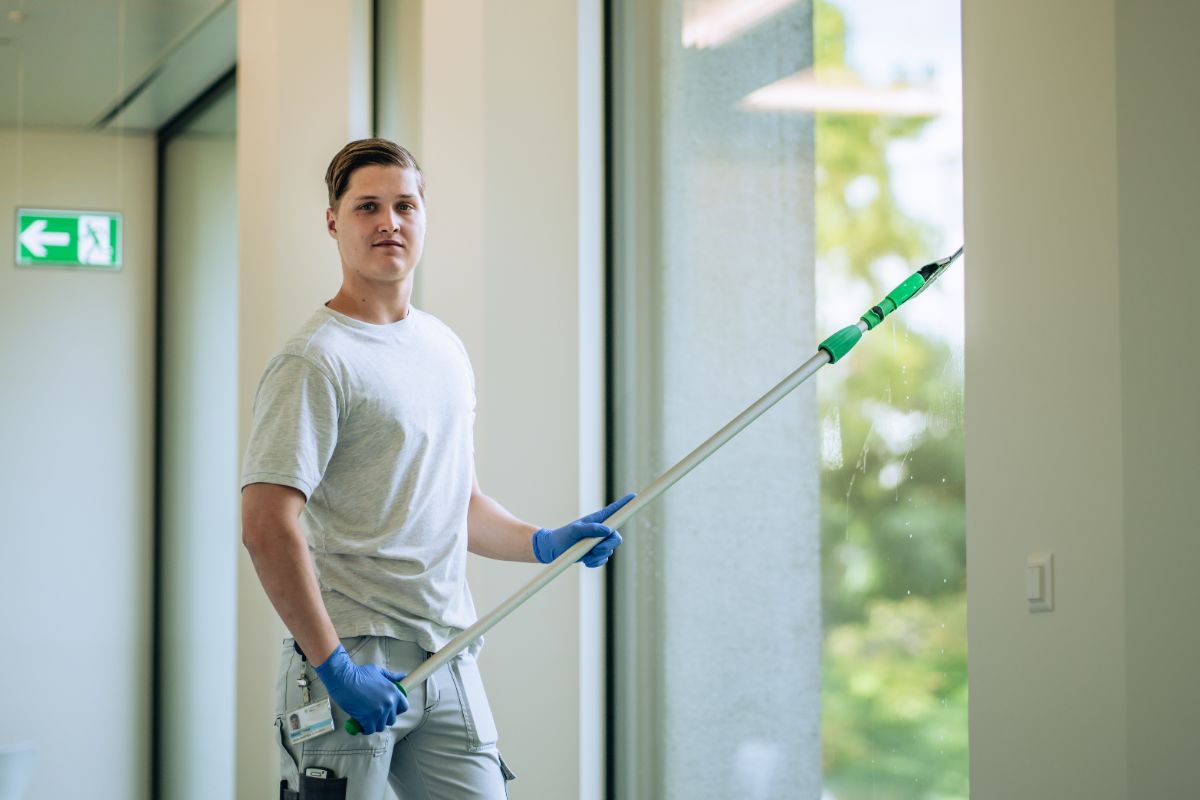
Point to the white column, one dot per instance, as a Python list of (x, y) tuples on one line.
[(510, 115), (1158, 114), (1043, 398), (303, 92)]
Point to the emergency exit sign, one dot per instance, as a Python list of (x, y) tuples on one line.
[(58, 238)]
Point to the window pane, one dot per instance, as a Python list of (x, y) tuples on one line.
[(889, 167), (791, 618)]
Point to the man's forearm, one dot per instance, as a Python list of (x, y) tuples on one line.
[(493, 532), (281, 559)]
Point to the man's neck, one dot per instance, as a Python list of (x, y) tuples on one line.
[(372, 305)]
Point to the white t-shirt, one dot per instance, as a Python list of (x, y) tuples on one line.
[(373, 423)]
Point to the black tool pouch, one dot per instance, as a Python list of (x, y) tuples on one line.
[(323, 788), (315, 789)]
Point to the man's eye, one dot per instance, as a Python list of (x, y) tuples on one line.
[(406, 207), (367, 207)]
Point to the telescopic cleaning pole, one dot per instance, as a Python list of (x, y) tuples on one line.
[(829, 351)]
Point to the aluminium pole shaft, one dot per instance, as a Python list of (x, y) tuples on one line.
[(623, 515), (830, 351)]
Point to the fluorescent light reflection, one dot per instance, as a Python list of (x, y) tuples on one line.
[(711, 23), (805, 91)]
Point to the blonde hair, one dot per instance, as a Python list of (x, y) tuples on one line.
[(361, 153)]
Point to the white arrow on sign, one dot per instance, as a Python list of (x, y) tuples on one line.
[(36, 238)]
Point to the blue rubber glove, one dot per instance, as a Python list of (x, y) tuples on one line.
[(550, 544), (368, 693)]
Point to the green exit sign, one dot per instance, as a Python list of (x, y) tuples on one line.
[(57, 238)]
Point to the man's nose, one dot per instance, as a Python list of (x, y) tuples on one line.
[(390, 221)]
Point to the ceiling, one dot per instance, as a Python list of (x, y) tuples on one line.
[(111, 64)]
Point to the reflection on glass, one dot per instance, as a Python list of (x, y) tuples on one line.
[(712, 23), (888, 198), (719, 636)]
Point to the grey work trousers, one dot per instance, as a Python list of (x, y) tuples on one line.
[(444, 746)]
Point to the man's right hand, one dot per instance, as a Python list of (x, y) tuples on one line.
[(368, 693)]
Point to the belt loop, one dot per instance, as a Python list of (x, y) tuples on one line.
[(432, 691)]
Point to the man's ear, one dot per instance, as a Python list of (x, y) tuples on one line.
[(330, 223)]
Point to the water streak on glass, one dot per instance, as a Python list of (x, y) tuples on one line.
[(893, 545)]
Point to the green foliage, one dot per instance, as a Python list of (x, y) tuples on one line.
[(895, 694), (892, 490)]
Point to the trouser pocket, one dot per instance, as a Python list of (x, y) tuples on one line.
[(289, 770), (477, 714)]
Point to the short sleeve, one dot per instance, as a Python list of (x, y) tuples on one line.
[(295, 425)]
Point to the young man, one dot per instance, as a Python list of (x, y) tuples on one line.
[(363, 430)]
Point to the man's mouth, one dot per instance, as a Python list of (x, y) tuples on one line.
[(388, 243)]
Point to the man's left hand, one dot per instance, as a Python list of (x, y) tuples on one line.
[(550, 544)]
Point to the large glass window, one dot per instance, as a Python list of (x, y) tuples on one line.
[(790, 619), (893, 590)]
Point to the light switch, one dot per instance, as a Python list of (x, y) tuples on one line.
[(1039, 581), (1034, 575)]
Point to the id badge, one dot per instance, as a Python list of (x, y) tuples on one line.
[(306, 723)]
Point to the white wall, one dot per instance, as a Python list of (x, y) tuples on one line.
[(1159, 285), (76, 481), (1080, 203)]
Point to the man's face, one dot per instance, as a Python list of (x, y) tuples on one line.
[(379, 224)]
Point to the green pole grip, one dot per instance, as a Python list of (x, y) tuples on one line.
[(896, 298), (354, 729), (841, 342)]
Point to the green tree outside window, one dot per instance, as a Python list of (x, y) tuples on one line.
[(894, 709)]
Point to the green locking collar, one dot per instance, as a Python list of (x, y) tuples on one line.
[(841, 342)]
